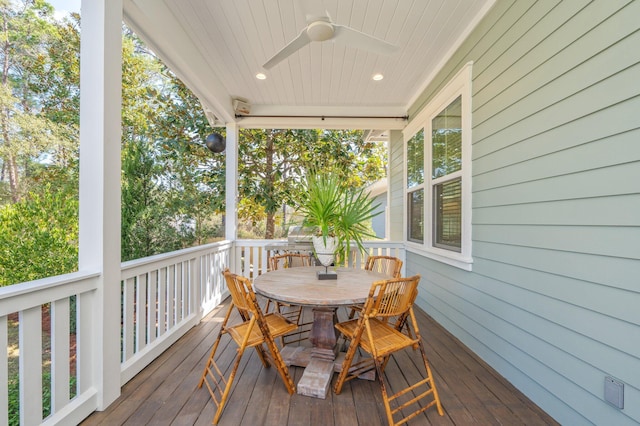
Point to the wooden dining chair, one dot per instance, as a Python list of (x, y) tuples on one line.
[(374, 334), (255, 330), (289, 260), (291, 312), (387, 265)]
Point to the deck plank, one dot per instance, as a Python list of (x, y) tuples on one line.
[(344, 408), (166, 391)]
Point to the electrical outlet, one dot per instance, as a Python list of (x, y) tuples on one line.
[(614, 392)]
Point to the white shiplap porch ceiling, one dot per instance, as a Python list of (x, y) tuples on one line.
[(218, 46)]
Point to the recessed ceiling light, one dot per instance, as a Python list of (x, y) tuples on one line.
[(261, 76), (378, 77)]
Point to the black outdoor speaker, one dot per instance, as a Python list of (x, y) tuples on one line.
[(215, 142)]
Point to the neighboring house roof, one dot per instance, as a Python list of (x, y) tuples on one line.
[(378, 188)]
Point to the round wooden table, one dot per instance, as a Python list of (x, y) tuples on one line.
[(300, 286)]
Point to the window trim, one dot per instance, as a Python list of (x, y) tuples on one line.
[(459, 85)]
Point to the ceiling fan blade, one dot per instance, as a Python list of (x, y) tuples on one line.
[(293, 46), (360, 40)]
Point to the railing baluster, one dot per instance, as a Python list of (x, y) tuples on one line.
[(128, 320), (141, 312), (4, 371), (179, 291), (60, 353), (152, 307), (171, 296), (85, 349), (30, 345), (194, 285), (162, 301)]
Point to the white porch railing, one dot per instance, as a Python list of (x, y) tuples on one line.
[(251, 257), (21, 331), (162, 297)]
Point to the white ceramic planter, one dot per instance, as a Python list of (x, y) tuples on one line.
[(325, 252)]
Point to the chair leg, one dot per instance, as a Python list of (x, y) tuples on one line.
[(282, 368), (214, 379), (346, 366), (383, 388), (432, 384), (263, 357), (227, 388), (354, 309), (210, 362), (296, 315), (418, 389)]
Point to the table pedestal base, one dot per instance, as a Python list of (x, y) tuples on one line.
[(323, 334), (316, 379)]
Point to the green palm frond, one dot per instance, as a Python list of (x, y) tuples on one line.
[(334, 209)]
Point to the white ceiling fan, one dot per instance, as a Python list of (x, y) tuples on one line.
[(321, 28)]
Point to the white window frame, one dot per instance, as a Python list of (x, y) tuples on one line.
[(459, 85)]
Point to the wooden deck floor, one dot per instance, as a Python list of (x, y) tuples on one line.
[(166, 393)]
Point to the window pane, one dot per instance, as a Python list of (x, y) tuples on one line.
[(447, 140), (416, 215), (415, 160), (447, 204)]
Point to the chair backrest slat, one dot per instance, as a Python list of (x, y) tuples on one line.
[(391, 297), (388, 265), (240, 289)]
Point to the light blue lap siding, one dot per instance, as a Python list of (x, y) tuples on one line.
[(553, 301)]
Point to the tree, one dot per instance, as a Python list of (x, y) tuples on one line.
[(273, 163), (170, 180), (197, 186), (58, 87), (146, 222), (26, 136)]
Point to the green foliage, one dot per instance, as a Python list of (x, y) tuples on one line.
[(171, 182), (14, 395), (13, 386), (354, 224), (58, 87), (28, 35), (34, 242), (333, 208), (173, 187), (319, 203), (273, 163), (146, 222)]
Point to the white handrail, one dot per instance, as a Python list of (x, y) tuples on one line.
[(162, 297)]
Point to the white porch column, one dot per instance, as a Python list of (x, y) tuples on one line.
[(100, 134), (231, 214)]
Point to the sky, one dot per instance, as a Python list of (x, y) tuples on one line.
[(63, 7)]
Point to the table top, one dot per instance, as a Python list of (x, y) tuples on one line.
[(300, 286)]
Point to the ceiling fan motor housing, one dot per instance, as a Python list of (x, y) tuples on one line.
[(320, 31)]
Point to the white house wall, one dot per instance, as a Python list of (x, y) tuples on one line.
[(553, 300)]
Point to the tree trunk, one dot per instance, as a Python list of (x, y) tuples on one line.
[(269, 183), (270, 227), (10, 159), (13, 177)]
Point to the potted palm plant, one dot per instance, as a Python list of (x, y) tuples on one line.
[(338, 215)]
